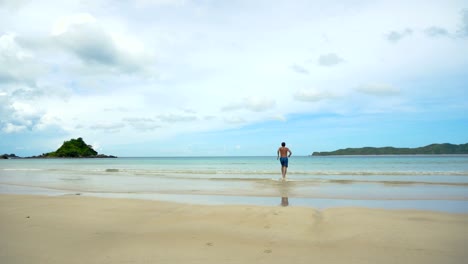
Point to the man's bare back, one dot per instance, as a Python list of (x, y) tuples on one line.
[(283, 151)]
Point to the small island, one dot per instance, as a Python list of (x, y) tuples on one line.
[(9, 156), (74, 148), (433, 149)]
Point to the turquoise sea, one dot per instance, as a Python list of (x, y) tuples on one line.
[(437, 183)]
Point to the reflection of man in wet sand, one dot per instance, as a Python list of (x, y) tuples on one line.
[(284, 201), (283, 154)]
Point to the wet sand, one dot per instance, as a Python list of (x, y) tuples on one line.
[(77, 229)]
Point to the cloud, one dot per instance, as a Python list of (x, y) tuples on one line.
[(108, 127), (82, 36), (279, 118), (12, 4), (142, 124), (12, 128), (329, 59), (312, 95), (17, 64), (90, 44), (436, 32), (6, 77), (251, 104), (65, 23), (23, 84), (299, 69), (463, 30), (234, 120), (378, 89), (153, 3), (175, 118), (395, 36), (16, 116)]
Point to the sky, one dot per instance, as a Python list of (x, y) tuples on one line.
[(231, 78)]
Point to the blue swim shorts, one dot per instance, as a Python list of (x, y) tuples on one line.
[(284, 161)]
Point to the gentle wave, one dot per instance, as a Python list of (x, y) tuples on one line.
[(334, 181), (244, 172), (23, 169), (275, 172)]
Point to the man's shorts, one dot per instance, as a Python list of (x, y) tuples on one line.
[(284, 161)]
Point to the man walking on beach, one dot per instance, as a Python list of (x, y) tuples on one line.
[(283, 154)]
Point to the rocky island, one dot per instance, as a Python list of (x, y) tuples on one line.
[(74, 148), (433, 149), (9, 156)]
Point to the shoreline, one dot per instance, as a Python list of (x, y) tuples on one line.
[(78, 229), (216, 199)]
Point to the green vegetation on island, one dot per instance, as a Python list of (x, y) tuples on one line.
[(433, 149), (74, 148)]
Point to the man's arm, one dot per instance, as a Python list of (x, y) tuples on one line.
[(278, 153), (290, 153)]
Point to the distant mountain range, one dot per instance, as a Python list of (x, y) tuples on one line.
[(433, 149)]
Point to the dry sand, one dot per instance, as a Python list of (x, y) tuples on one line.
[(76, 229)]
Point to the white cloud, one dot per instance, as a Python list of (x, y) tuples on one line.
[(16, 116), (234, 120), (17, 64), (142, 124), (84, 37), (48, 120), (299, 69), (312, 95), (252, 104), (12, 4), (279, 118), (378, 89), (329, 59), (395, 36), (65, 23), (108, 127), (11, 128), (436, 32), (153, 3), (463, 30), (175, 118)]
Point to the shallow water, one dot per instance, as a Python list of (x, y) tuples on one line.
[(400, 182)]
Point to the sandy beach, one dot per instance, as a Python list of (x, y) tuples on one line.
[(77, 229)]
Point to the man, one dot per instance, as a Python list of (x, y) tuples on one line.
[(283, 154)]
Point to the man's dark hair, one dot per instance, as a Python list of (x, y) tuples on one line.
[(283, 144)]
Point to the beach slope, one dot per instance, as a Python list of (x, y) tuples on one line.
[(76, 229)]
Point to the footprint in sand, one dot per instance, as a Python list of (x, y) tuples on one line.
[(209, 244), (267, 251)]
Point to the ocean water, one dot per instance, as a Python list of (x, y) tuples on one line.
[(437, 183)]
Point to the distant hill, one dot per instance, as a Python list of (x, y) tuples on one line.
[(74, 148), (432, 149)]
